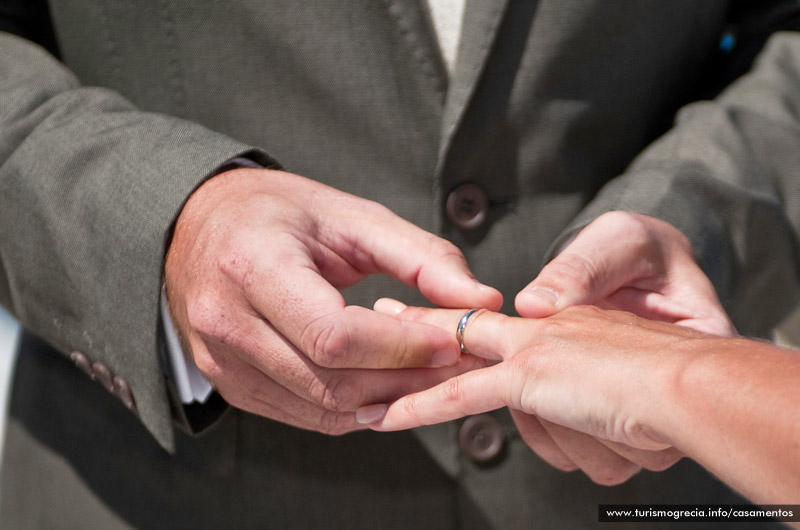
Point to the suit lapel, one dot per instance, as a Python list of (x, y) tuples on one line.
[(416, 29), (481, 21)]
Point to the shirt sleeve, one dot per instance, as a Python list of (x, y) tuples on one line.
[(191, 384)]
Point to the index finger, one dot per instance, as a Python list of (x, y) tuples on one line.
[(379, 241), (471, 393)]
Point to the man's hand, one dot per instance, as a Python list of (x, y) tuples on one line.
[(630, 262), (622, 261), (252, 278)]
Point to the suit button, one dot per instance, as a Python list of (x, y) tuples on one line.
[(481, 438), (82, 362), (103, 376), (123, 392), (467, 206)]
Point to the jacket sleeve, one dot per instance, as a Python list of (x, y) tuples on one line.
[(727, 175), (89, 187)]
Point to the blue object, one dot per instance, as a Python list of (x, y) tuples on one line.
[(727, 42)]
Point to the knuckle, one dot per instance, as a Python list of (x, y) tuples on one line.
[(201, 313), (446, 250), (533, 366), (208, 366), (231, 395), (615, 216), (614, 475), (577, 269), (662, 460), (451, 390), (559, 326), (207, 317), (326, 341), (562, 464), (342, 393), (641, 230), (414, 314), (630, 227), (374, 211), (724, 328), (409, 407), (236, 265), (439, 252), (619, 220), (445, 247), (377, 209), (334, 423), (404, 354)]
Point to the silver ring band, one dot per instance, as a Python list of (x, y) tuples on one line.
[(462, 324)]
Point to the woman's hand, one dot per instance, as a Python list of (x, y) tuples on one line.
[(627, 262), (602, 373)]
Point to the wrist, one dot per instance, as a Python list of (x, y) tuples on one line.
[(663, 398), (686, 387), (207, 198)]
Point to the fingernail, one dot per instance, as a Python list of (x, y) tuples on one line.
[(371, 413), (447, 357), (543, 292), (388, 306)]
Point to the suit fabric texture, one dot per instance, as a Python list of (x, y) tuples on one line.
[(558, 110)]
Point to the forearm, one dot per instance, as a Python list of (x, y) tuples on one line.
[(731, 406), (91, 185)]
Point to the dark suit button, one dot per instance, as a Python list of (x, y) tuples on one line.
[(481, 438), (82, 362), (467, 206), (103, 376), (123, 392)]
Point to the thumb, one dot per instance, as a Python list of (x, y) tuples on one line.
[(594, 265)]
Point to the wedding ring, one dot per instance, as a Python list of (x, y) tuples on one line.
[(462, 324)]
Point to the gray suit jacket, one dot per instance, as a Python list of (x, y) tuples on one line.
[(559, 110)]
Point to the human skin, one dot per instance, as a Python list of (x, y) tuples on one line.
[(630, 262), (253, 274), (728, 403)]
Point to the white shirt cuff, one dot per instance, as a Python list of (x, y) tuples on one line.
[(190, 382)]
